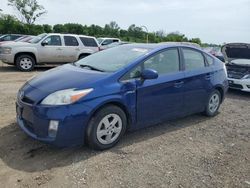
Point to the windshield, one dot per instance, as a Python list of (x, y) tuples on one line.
[(241, 61), (38, 38), (99, 40), (112, 59)]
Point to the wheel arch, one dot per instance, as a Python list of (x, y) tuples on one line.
[(117, 103), (221, 90), (25, 53)]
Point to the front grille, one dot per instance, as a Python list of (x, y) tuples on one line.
[(28, 126), (236, 86)]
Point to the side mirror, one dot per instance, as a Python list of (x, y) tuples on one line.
[(44, 43), (149, 74)]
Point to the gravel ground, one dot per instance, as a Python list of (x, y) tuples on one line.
[(195, 151)]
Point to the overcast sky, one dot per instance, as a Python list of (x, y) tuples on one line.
[(213, 21)]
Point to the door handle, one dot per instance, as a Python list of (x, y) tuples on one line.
[(178, 84), (59, 49), (208, 77), (77, 49)]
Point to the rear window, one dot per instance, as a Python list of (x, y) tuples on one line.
[(70, 41), (90, 42), (210, 60), (193, 59)]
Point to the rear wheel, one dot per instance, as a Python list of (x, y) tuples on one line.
[(25, 62), (106, 127), (213, 104)]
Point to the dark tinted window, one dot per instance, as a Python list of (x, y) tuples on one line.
[(70, 41), (88, 42), (53, 40), (193, 59), (164, 62), (210, 60), (107, 42), (14, 37)]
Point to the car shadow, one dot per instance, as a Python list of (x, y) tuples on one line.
[(20, 152), (238, 94), (9, 68)]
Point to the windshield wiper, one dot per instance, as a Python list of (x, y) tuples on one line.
[(92, 68)]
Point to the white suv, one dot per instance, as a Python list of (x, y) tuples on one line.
[(50, 48)]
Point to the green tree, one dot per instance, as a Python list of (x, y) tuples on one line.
[(29, 10), (47, 28)]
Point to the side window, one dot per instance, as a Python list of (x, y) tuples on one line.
[(70, 41), (107, 42), (210, 60), (14, 37), (135, 73), (164, 62), (53, 40), (90, 42), (193, 59), (7, 38)]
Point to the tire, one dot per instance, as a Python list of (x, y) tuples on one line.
[(213, 104), (25, 63), (101, 133)]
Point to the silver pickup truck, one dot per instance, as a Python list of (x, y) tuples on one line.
[(50, 48)]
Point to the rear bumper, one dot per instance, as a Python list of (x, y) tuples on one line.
[(35, 120), (7, 58), (239, 84)]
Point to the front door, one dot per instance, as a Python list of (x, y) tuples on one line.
[(162, 98), (51, 52)]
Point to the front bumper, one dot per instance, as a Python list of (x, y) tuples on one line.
[(34, 121), (239, 84), (7, 58)]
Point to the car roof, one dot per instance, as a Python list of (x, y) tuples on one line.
[(104, 38), (156, 46)]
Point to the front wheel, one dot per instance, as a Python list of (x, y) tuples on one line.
[(106, 127), (25, 63), (213, 104)]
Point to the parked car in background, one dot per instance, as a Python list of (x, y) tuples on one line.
[(237, 56), (104, 42), (9, 37), (50, 48), (215, 51), (25, 38), (123, 88), (112, 45)]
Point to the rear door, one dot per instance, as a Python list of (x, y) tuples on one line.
[(71, 49), (198, 80), (161, 98)]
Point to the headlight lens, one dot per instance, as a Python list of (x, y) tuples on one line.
[(246, 76), (66, 96), (6, 50)]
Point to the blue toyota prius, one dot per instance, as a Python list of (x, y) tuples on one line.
[(96, 99)]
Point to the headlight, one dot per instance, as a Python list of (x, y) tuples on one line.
[(246, 76), (6, 50), (66, 96)]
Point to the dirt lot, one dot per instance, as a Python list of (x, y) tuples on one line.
[(195, 151)]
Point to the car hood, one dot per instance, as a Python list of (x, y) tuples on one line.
[(16, 44), (234, 51), (66, 77)]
